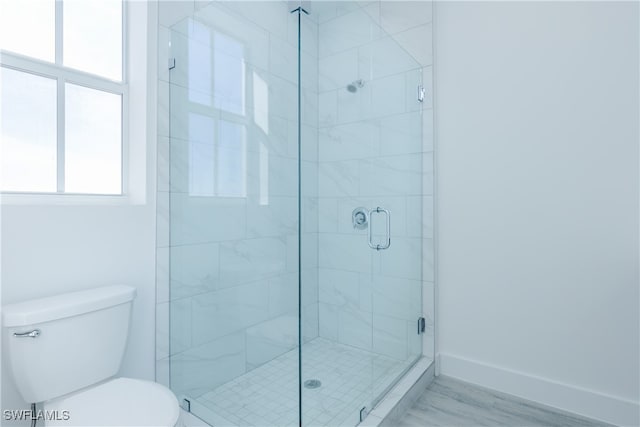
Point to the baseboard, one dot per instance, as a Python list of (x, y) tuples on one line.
[(584, 402)]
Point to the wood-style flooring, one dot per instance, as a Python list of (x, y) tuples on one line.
[(449, 402)]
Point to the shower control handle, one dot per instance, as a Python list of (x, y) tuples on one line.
[(387, 243)]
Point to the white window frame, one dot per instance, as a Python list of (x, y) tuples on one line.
[(62, 74)]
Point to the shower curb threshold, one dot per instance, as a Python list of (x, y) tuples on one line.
[(402, 396)]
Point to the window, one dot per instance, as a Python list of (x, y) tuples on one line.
[(63, 96)]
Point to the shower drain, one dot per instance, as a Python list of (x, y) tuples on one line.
[(312, 383)]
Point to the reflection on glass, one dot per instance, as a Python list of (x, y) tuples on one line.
[(201, 155), (199, 67), (231, 161), (217, 148), (92, 36), (229, 74), (28, 151), (264, 174), (93, 141), (260, 103), (27, 27), (217, 161)]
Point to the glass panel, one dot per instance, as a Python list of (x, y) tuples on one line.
[(201, 155), (395, 177), (28, 151), (229, 73), (27, 27), (369, 155), (233, 221), (231, 179), (93, 141), (393, 180), (341, 357), (199, 69), (92, 36)]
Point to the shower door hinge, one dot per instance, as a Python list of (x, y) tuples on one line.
[(420, 93), (422, 325), (186, 404), (172, 63), (363, 413)]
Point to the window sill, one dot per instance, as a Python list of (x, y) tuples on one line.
[(42, 199)]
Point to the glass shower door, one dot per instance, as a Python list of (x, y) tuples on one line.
[(368, 204), (234, 214), (394, 184)]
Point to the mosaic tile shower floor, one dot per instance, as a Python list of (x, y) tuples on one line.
[(268, 395)]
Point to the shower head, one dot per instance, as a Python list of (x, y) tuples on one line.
[(355, 85)]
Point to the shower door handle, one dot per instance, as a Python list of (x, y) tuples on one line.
[(387, 243)]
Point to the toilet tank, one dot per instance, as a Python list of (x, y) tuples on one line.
[(76, 339)]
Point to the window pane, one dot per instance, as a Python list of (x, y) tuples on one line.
[(92, 36), (228, 74), (29, 132), (93, 141), (27, 27), (231, 161), (199, 63), (201, 155)]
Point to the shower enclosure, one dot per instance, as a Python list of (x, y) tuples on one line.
[(294, 209)]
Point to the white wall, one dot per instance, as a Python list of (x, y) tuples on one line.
[(537, 183), (53, 249), (49, 249)]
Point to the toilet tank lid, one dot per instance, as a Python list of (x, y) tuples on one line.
[(65, 305)]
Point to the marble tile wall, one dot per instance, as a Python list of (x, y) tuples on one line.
[(375, 149), (227, 251)]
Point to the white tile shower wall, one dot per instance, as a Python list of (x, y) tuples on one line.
[(227, 264), (375, 149)]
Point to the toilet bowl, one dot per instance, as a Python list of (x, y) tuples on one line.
[(117, 402), (64, 352)]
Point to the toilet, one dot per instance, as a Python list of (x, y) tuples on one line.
[(64, 352)]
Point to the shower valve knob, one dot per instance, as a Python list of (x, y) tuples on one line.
[(360, 218)]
